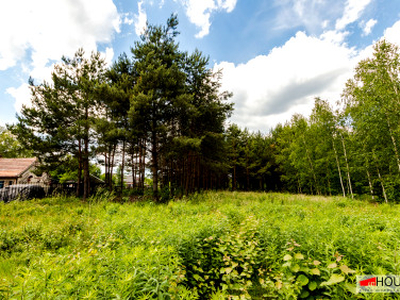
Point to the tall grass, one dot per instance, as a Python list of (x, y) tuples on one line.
[(208, 246)]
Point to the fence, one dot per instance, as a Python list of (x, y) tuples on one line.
[(22, 192)]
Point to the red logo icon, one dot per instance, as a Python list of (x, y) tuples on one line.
[(368, 282)]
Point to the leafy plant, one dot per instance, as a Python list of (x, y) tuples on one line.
[(214, 246)]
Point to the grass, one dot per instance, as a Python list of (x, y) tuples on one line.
[(208, 246)]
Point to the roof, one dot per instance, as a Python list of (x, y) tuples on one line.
[(96, 179), (14, 167), (93, 178)]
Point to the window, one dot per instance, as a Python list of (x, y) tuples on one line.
[(1, 184), (10, 182)]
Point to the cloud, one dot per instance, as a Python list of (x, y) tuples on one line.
[(392, 34), (228, 5), (21, 95), (271, 88), (317, 15), (352, 12), (128, 19), (46, 30), (140, 20), (313, 15), (38, 33), (199, 12), (368, 26)]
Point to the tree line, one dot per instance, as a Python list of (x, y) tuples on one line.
[(352, 150), (160, 109), (161, 113)]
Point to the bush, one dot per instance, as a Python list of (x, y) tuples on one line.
[(208, 246)]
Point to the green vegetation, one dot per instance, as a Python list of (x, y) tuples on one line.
[(208, 246), (10, 147), (161, 111), (161, 103)]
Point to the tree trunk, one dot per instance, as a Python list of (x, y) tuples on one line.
[(154, 165), (298, 185), (86, 172), (80, 167), (133, 168), (140, 183), (348, 168), (234, 176), (247, 168), (312, 166), (187, 175), (329, 181), (112, 159), (338, 166), (106, 167), (122, 167), (143, 171), (393, 141), (383, 186), (370, 184), (86, 176)]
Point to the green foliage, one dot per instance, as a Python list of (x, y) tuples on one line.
[(60, 122), (68, 168), (160, 110), (10, 147), (352, 151), (177, 109), (214, 246), (307, 278), (225, 261)]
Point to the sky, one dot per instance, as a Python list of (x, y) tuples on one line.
[(275, 56)]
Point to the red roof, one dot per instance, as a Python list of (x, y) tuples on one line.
[(14, 167)]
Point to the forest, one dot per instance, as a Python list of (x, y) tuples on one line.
[(159, 119), (160, 114)]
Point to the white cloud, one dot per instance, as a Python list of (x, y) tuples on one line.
[(37, 33), (128, 19), (392, 34), (199, 12), (21, 95), (108, 56), (51, 29), (228, 5), (352, 12), (368, 26), (271, 88), (317, 16), (313, 15), (333, 36), (140, 20)]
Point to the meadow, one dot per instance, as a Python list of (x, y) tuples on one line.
[(215, 245)]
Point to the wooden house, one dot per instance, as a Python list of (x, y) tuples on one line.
[(20, 171)]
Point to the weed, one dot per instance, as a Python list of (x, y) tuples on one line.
[(207, 246)]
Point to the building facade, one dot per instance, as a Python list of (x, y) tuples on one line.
[(20, 171)]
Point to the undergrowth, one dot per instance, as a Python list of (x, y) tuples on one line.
[(208, 246)]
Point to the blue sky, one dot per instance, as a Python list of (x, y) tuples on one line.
[(276, 56)]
